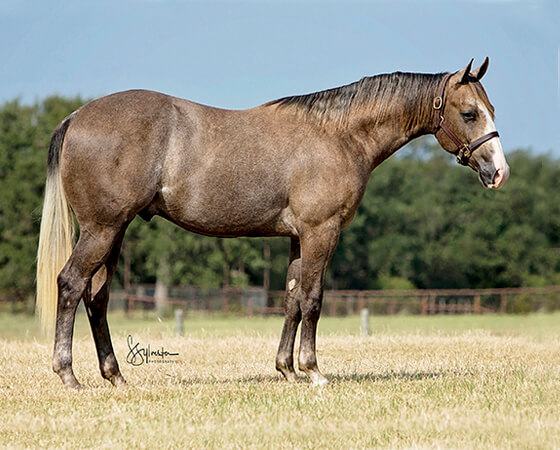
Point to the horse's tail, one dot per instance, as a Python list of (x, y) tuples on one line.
[(56, 235)]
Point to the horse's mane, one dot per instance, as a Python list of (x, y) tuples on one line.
[(379, 94)]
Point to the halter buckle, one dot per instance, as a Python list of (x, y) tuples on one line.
[(464, 154), (438, 102)]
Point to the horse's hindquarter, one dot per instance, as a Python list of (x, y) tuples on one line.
[(110, 159)]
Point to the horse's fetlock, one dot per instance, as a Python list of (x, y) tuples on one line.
[(284, 362), (59, 365), (110, 368), (307, 363)]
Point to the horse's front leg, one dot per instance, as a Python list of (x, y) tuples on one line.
[(317, 247), (285, 355)]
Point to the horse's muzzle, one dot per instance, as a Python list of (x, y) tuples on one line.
[(497, 180)]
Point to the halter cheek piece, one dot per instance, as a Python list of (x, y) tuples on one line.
[(464, 151)]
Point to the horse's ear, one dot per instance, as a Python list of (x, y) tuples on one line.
[(479, 72), (465, 74)]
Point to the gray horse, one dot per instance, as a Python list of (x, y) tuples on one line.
[(295, 167)]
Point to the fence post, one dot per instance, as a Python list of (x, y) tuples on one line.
[(476, 306), (432, 304), (179, 316), (140, 294), (503, 302), (332, 305), (250, 306), (350, 305), (361, 301), (225, 296), (364, 314), (424, 308)]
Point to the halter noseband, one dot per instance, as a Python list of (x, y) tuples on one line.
[(464, 151)]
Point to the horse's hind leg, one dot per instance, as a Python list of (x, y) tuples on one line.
[(285, 355), (91, 251), (96, 307)]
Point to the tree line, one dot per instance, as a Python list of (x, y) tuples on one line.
[(423, 223)]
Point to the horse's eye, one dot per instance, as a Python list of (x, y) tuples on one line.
[(468, 116)]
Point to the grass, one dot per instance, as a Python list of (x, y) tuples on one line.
[(446, 381)]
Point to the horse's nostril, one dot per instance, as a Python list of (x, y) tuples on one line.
[(500, 177), (497, 177)]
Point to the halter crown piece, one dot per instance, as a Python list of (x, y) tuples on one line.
[(464, 150)]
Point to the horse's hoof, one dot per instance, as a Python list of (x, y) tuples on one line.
[(287, 370), (119, 382), (318, 379), (75, 386), (289, 376), (69, 380)]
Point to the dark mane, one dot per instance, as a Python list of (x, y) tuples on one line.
[(378, 93)]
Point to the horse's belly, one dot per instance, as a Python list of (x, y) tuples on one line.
[(217, 212)]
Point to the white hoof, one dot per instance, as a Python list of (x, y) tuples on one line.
[(319, 380)]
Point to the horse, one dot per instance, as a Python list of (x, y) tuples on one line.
[(295, 167)]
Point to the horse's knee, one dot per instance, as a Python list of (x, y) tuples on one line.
[(311, 305)]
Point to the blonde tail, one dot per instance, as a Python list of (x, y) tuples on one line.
[(56, 235)]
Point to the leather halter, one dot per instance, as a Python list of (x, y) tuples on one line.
[(464, 150)]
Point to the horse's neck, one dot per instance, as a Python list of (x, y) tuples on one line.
[(378, 136)]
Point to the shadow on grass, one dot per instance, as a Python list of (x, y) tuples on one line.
[(334, 379), (374, 377), (254, 379)]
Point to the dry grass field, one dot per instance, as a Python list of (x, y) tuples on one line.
[(417, 382)]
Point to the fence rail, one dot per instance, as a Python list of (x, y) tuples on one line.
[(251, 301)]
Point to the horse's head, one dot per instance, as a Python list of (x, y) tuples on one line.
[(464, 125)]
